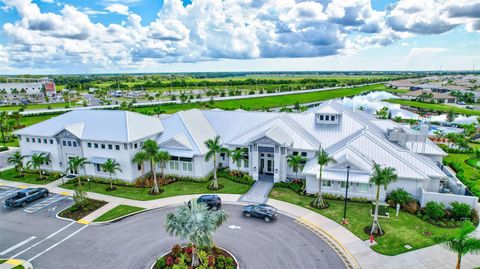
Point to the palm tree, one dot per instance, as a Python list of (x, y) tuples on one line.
[(162, 157), (140, 158), (322, 160), (195, 223), (17, 116), (111, 166), (76, 163), (36, 162), (461, 243), (17, 160), (296, 162), (214, 148), (150, 149), (381, 176), (237, 156)]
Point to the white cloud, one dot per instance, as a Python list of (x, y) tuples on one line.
[(118, 8)]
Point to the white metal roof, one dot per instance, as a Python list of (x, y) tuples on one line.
[(98, 125)]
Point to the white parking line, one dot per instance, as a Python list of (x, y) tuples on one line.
[(38, 206), (45, 239), (56, 244), (17, 245)]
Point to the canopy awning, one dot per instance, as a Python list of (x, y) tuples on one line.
[(178, 152), (98, 160), (37, 152)]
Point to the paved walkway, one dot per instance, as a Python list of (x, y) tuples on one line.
[(258, 193), (359, 252)]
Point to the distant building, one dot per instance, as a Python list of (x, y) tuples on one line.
[(435, 96), (25, 90)]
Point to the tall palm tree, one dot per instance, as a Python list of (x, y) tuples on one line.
[(36, 162), (150, 149), (322, 160), (162, 157), (296, 162), (237, 156), (111, 166), (17, 160), (75, 163), (461, 243), (381, 176), (196, 223), (214, 148)]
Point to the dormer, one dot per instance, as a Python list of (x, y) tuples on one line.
[(323, 117)]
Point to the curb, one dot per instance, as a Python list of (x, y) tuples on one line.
[(16, 262)]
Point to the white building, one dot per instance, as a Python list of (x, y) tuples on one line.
[(16, 89), (351, 138)]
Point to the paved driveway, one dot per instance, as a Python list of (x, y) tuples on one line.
[(136, 242)]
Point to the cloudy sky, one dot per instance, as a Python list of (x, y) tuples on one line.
[(111, 36)]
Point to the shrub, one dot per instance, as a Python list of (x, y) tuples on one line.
[(435, 210), (228, 261), (3, 148), (461, 210), (295, 186), (399, 196), (412, 207), (80, 198), (176, 250), (161, 263)]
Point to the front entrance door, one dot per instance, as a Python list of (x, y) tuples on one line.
[(72, 171), (266, 163)]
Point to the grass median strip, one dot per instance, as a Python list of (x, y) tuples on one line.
[(436, 107), (169, 190), (118, 211), (13, 175), (406, 229)]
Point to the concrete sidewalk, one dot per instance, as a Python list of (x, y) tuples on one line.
[(360, 251)]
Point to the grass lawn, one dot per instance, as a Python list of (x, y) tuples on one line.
[(36, 106), (436, 107), (399, 231), (118, 211), (173, 189), (469, 172), (12, 175)]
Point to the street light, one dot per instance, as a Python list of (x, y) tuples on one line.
[(345, 220)]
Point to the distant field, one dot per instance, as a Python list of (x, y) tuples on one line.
[(436, 107)]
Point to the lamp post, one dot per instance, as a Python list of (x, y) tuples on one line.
[(345, 220)]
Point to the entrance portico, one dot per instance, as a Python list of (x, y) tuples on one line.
[(268, 160)]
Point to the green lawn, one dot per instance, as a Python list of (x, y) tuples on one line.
[(269, 101), (469, 172), (37, 106), (436, 107), (12, 175), (399, 231), (173, 189), (118, 211)]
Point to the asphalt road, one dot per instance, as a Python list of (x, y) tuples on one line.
[(136, 242)]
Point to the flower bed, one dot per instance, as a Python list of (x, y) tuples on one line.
[(209, 258)]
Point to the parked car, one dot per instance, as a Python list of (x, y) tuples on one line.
[(23, 197), (213, 202), (265, 212)]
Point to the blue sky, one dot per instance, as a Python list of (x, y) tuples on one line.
[(110, 36)]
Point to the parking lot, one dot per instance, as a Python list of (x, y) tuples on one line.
[(30, 232)]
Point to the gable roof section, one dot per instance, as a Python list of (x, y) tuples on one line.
[(98, 125), (179, 141)]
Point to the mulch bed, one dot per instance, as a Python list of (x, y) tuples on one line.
[(377, 234), (220, 186), (325, 205), (81, 213), (215, 252)]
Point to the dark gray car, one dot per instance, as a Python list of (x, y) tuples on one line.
[(23, 197)]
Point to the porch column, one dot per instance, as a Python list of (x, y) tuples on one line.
[(254, 161), (282, 164), (276, 164)]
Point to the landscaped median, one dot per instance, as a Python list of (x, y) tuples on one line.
[(435, 107), (404, 233), (29, 177), (118, 212)]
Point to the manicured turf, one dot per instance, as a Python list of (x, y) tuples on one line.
[(36, 106), (118, 211), (468, 171), (12, 175), (436, 107), (173, 189), (399, 231)]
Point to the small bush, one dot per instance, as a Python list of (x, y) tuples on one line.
[(3, 149), (161, 263), (176, 250), (461, 210), (412, 207), (435, 211), (399, 196)]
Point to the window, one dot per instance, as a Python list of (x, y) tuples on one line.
[(174, 165), (362, 187), (103, 146), (28, 139), (51, 141), (64, 143), (45, 141), (326, 183), (245, 163), (327, 117), (74, 143), (187, 166), (332, 118), (69, 143), (304, 154), (110, 146), (141, 144), (39, 141), (295, 153), (98, 167), (89, 145), (139, 167), (321, 117), (135, 145), (117, 147), (95, 145), (343, 184)]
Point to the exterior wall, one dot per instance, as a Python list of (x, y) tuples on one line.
[(335, 188), (26, 148), (410, 185), (289, 170), (122, 156), (446, 199)]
